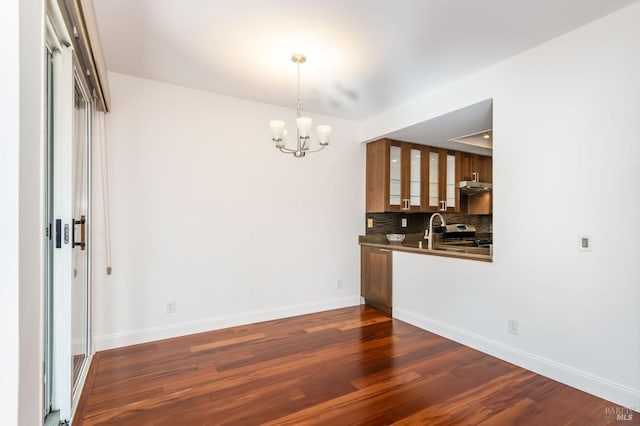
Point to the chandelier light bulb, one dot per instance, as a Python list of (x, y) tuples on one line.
[(277, 127), (324, 132), (304, 126)]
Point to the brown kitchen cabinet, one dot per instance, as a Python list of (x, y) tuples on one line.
[(441, 177), (484, 168), (394, 177), (375, 277), (407, 177), (479, 203), (476, 167)]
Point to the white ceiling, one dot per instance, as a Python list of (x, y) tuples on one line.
[(440, 130), (364, 56)]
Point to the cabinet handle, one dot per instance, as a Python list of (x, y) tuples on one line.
[(384, 250)]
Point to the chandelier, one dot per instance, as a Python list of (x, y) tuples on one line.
[(279, 133)]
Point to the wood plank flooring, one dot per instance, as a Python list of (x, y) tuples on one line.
[(352, 366)]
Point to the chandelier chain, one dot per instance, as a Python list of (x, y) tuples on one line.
[(298, 104)]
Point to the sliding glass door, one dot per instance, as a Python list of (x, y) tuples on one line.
[(80, 290), (67, 337)]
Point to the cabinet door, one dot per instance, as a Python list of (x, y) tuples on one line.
[(411, 177), (376, 277), (443, 192), (467, 162), (395, 196), (377, 176), (405, 181), (451, 188), (483, 168), (475, 167), (415, 178), (433, 187)]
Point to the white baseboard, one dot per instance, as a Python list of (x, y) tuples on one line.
[(134, 337), (598, 386)]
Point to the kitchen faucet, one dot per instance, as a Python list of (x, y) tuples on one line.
[(429, 232)]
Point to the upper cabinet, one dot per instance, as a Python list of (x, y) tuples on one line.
[(411, 178), (477, 168), (442, 191), (394, 177)]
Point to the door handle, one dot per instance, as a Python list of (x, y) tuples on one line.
[(82, 222)]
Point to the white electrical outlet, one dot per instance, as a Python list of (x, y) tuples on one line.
[(404, 222), (512, 326), (338, 284), (171, 306)]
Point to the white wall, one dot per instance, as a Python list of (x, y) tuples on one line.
[(21, 85), (207, 213), (9, 214), (566, 162), (31, 210)]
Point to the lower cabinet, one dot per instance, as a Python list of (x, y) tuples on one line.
[(375, 277)]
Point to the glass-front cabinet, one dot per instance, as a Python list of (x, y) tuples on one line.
[(442, 189), (406, 177)]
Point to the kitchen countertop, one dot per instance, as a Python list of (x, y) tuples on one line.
[(411, 245)]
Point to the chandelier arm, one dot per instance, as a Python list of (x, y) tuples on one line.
[(316, 150), (291, 150), (286, 150)]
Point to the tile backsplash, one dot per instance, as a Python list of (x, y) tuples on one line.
[(391, 223)]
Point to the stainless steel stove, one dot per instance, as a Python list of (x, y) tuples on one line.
[(463, 235)]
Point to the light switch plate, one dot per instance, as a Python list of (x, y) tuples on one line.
[(584, 243), (404, 222), (369, 223)]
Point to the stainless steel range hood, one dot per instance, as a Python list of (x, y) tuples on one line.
[(472, 187)]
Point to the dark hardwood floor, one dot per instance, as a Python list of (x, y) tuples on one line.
[(343, 367)]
